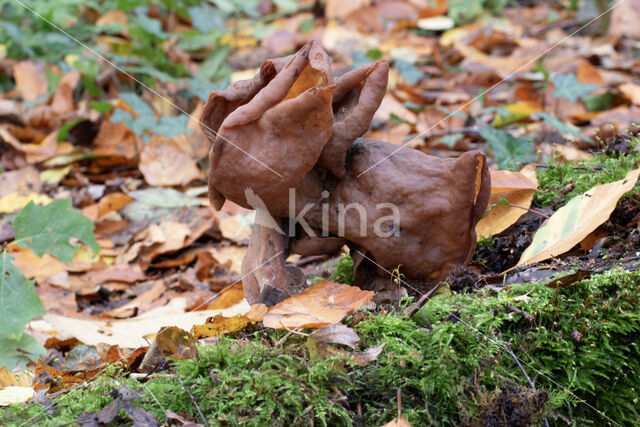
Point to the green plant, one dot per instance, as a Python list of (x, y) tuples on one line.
[(44, 230), (343, 271)]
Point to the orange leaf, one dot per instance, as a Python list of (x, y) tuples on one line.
[(320, 305)]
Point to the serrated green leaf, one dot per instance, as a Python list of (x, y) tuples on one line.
[(568, 87), (408, 71), (19, 349), (508, 150), (156, 204), (19, 303), (47, 229), (562, 127), (171, 126), (140, 107)]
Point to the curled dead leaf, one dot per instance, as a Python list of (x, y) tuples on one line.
[(322, 304)]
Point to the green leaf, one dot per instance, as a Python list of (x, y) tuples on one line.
[(562, 127), (568, 87), (215, 66), (202, 89), (171, 126), (408, 71), (156, 204), (508, 150), (595, 103), (206, 18), (64, 130), (451, 140), (47, 229), (463, 11), (19, 349), (140, 107), (101, 106), (287, 5), (19, 302), (150, 25)]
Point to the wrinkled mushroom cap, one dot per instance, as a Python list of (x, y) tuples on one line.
[(272, 142), (439, 201)]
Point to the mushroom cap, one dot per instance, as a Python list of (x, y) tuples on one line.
[(271, 142), (438, 203)]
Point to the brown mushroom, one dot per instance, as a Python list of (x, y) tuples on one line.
[(291, 129)]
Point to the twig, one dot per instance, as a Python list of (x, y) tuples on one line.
[(530, 210), (533, 386), (584, 168), (411, 310), (204, 420), (524, 314)]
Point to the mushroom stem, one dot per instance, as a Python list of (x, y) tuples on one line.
[(266, 277)]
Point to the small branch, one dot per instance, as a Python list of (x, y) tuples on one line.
[(533, 386), (204, 420), (530, 210), (524, 314)]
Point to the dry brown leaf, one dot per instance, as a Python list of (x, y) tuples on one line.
[(22, 181), (570, 224), (340, 9), (51, 379), (398, 422), (336, 334), (631, 91), (163, 163), (31, 79), (221, 324), (624, 19), (231, 255), (322, 304), (109, 203), (116, 140), (63, 101), (228, 297), (515, 187), (141, 303), (588, 74), (130, 333), (232, 228)]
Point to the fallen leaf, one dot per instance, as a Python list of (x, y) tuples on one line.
[(31, 80), (517, 188), (131, 332), (340, 9), (336, 334), (624, 19), (63, 101), (398, 422), (14, 202), (234, 227), (13, 395), (319, 305), (228, 297), (22, 181), (631, 91), (588, 74), (109, 203), (163, 164), (141, 303), (570, 224)]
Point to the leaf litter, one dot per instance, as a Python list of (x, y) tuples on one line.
[(74, 129)]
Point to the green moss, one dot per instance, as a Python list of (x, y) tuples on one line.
[(343, 272), (554, 179), (449, 360)]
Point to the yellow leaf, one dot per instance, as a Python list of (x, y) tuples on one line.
[(517, 111), (54, 176), (574, 221), (515, 187), (14, 202)]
